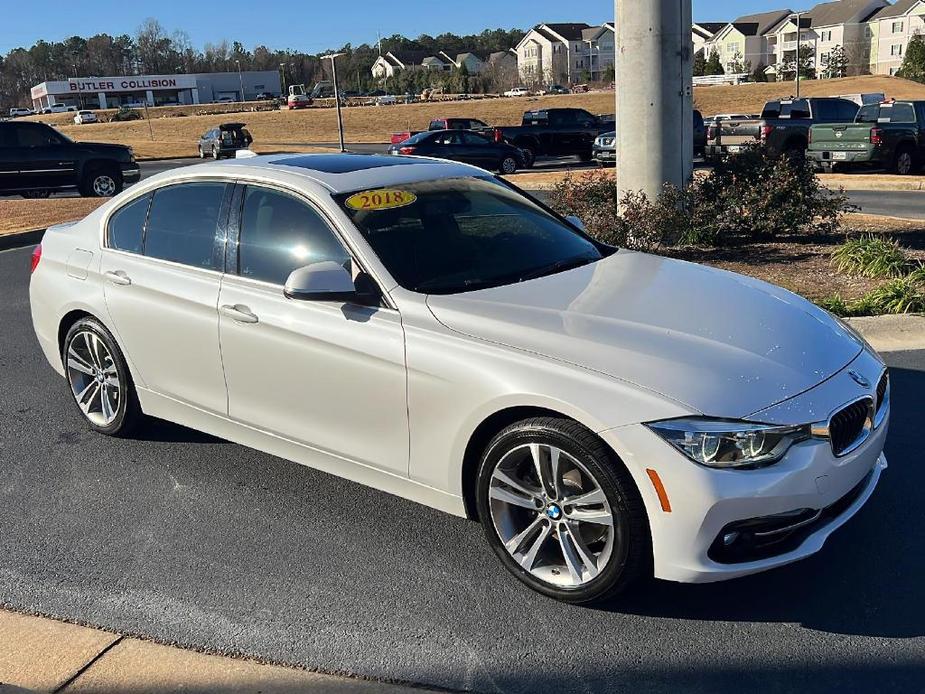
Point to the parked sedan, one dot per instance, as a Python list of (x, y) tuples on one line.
[(224, 140), (84, 117), (517, 91), (424, 328), (463, 145)]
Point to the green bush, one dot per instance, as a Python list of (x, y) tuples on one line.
[(756, 196), (125, 114), (871, 256), (752, 196), (898, 295)]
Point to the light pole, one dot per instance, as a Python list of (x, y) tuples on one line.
[(654, 99), (799, 16), (240, 80), (340, 122)]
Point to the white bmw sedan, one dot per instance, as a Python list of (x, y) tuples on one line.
[(424, 328)]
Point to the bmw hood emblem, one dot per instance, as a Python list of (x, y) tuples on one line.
[(859, 379)]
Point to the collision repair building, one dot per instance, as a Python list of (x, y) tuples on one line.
[(155, 90)]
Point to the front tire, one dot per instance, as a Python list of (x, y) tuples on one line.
[(100, 382), (560, 512), (215, 154), (508, 165), (202, 155), (101, 182)]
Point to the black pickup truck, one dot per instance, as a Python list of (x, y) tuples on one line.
[(555, 132), (36, 160), (783, 127), (890, 135)]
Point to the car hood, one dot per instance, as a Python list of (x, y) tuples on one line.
[(103, 147), (722, 344)]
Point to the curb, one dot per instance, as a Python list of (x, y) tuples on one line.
[(20, 239), (901, 333)]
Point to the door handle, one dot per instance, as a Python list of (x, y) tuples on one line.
[(118, 277), (239, 313)]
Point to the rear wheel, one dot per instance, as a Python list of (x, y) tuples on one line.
[(202, 155), (560, 512), (904, 161), (99, 379), (508, 165), (529, 156)]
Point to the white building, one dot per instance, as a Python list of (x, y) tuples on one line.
[(155, 90), (395, 61), (565, 53), (826, 26), (703, 32), (746, 39), (890, 31)]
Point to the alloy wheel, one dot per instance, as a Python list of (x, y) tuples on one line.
[(508, 165), (94, 379), (551, 515), (104, 186)]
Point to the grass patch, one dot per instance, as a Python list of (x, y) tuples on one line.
[(873, 256)]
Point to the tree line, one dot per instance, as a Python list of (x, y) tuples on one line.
[(153, 50)]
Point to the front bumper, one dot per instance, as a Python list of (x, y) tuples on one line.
[(604, 155), (131, 173), (706, 503)]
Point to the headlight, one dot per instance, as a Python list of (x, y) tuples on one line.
[(726, 444)]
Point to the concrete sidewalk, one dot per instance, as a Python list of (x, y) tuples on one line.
[(44, 655)]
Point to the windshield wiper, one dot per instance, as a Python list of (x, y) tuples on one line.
[(558, 266)]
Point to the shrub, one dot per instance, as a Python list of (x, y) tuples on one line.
[(125, 114), (751, 196), (871, 256), (755, 195), (898, 295)]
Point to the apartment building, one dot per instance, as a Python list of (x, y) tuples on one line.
[(844, 23), (746, 38), (703, 32), (565, 53), (891, 29)]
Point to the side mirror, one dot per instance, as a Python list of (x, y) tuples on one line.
[(329, 281), (576, 221)]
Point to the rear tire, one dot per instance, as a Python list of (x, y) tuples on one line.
[(99, 379), (529, 156), (904, 162), (579, 534)]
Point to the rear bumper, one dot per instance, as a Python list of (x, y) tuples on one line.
[(828, 156)]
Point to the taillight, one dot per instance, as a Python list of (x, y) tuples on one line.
[(876, 136), (711, 132), (36, 257), (766, 131), (498, 136), (406, 150)]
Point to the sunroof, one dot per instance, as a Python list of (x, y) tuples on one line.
[(342, 163)]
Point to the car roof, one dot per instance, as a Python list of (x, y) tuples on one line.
[(337, 172)]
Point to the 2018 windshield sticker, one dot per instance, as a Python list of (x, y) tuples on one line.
[(383, 199)]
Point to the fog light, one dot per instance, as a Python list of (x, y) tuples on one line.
[(729, 538)]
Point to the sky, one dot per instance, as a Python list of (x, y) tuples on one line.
[(312, 25)]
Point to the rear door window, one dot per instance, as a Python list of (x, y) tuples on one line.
[(280, 233), (127, 225), (182, 224)]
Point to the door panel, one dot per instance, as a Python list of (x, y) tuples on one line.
[(167, 325), (328, 375)]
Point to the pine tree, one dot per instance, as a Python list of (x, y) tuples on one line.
[(714, 66), (835, 64), (738, 65), (913, 67), (700, 63)]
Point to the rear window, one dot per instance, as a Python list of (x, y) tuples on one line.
[(887, 113), (786, 109)]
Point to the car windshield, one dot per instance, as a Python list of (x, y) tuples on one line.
[(461, 234)]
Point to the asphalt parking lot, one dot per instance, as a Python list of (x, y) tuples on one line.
[(188, 539)]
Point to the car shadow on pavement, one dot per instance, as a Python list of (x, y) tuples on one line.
[(162, 431), (867, 580)]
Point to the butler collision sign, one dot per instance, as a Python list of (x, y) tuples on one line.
[(154, 90)]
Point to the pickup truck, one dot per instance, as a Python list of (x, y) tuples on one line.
[(890, 135), (36, 160), (441, 124), (555, 132), (783, 126)]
